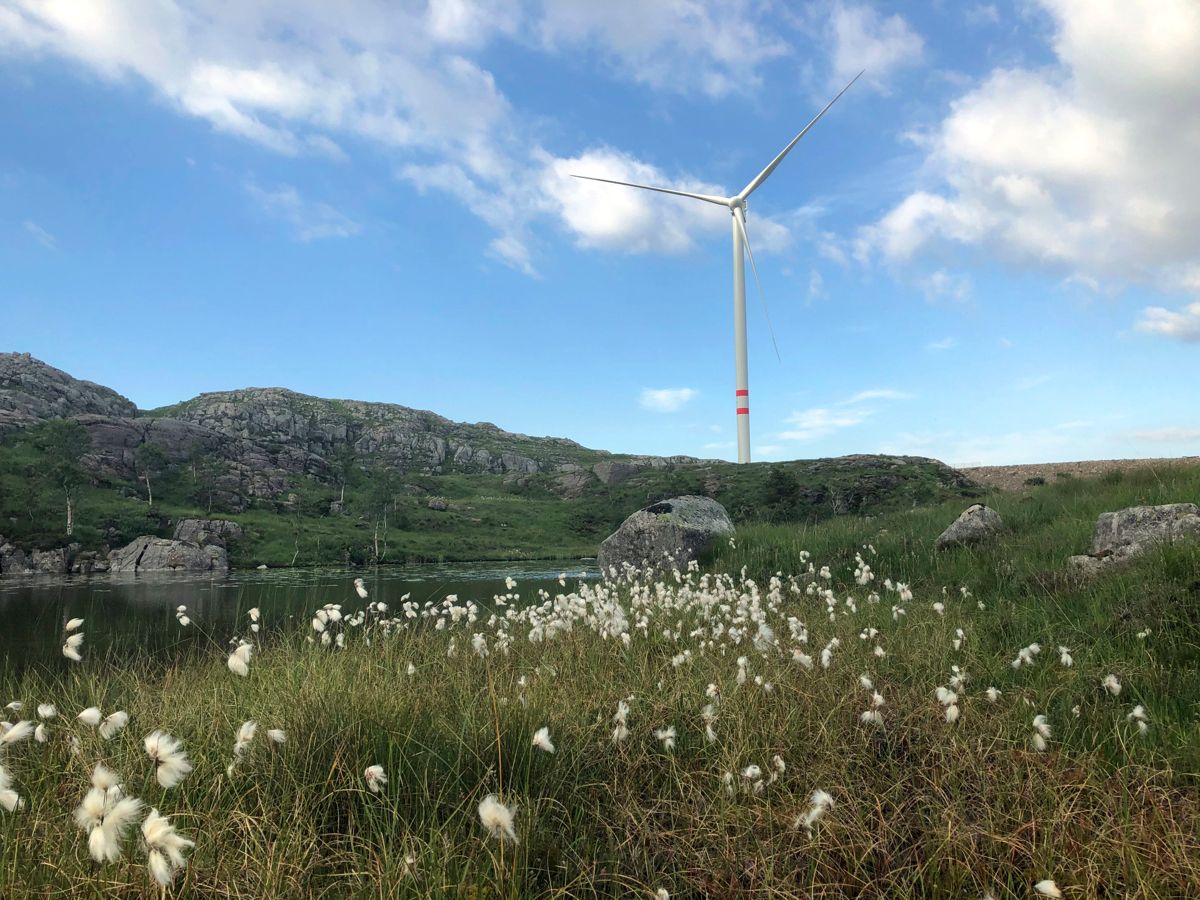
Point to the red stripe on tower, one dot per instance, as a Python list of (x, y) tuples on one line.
[(743, 410), (741, 392)]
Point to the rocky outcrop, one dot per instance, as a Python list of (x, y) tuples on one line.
[(977, 523), (673, 531), (438, 504), (1121, 536), (615, 472), (154, 554), (31, 392), (206, 532), (13, 560)]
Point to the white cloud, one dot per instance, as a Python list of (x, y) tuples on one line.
[(1030, 382), (715, 47), (310, 221), (1168, 435), (769, 450), (878, 394), (40, 234), (1085, 166), (863, 39), (305, 77), (816, 286), (943, 285), (665, 399), (944, 344), (818, 422), (720, 445), (1183, 325)]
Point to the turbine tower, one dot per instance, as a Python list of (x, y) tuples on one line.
[(741, 248)]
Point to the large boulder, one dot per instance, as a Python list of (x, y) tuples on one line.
[(1127, 533), (680, 528), (13, 560), (217, 532), (153, 554), (977, 523)]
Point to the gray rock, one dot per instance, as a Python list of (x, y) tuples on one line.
[(1121, 536), (977, 523), (153, 554), (571, 484), (218, 532), (1129, 531), (615, 472), (683, 527), (13, 560), (438, 504)]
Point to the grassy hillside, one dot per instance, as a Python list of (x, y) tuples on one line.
[(488, 516), (921, 807)]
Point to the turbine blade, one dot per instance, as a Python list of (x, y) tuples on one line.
[(762, 296), (708, 198), (762, 176)]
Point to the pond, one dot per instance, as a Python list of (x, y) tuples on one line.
[(137, 613)]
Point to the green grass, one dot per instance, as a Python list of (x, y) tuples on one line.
[(922, 808)]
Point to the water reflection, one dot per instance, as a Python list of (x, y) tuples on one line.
[(124, 612)]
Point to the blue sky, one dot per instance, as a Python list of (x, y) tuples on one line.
[(986, 252)]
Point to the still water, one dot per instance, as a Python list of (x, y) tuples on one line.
[(123, 613)]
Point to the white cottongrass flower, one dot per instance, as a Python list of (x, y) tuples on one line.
[(1139, 716), (105, 814), (244, 736), (73, 624), (376, 778), (19, 732), (91, 716), (40, 734), (9, 798), (992, 695), (497, 819), (946, 697), (667, 736), (170, 760), (1041, 732), (164, 848), (939, 608), (239, 659), (1064, 656), (277, 736), (872, 717), (541, 739), (952, 713), (752, 773), (818, 805), (663, 893), (112, 724), (46, 711), (411, 670), (778, 767), (15, 706), (1112, 684), (1047, 888), (71, 648)]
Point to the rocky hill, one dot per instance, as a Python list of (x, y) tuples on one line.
[(318, 481), (265, 438)]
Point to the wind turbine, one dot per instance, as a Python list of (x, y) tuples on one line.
[(741, 239)]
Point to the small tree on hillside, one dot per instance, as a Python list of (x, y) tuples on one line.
[(379, 501), (149, 461), (64, 443), (343, 467)]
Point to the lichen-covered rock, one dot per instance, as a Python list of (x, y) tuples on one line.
[(1132, 529), (977, 523), (218, 532), (154, 554), (438, 504), (678, 530), (1127, 533)]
